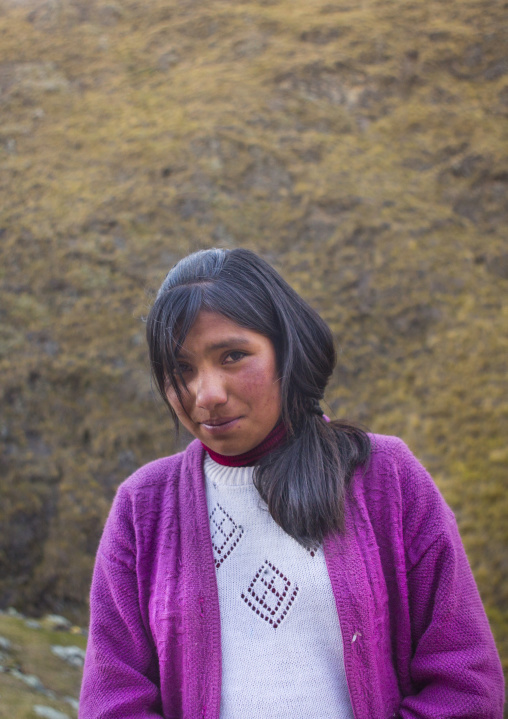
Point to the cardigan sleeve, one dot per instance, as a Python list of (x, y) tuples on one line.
[(120, 677), (455, 666)]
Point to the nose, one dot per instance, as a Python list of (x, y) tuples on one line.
[(210, 389)]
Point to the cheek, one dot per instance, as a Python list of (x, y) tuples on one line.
[(175, 402), (260, 385)]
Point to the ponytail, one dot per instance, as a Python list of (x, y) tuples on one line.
[(304, 482)]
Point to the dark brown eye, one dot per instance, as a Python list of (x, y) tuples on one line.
[(235, 356), (180, 369)]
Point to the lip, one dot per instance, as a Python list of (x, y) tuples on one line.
[(219, 425)]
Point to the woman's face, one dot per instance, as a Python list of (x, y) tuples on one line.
[(233, 397)]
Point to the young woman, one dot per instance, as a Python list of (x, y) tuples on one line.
[(284, 566)]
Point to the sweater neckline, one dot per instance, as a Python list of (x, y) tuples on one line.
[(220, 475), (248, 459)]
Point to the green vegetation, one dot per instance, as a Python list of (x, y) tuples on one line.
[(361, 147)]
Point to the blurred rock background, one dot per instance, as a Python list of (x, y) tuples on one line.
[(41, 663), (361, 147)]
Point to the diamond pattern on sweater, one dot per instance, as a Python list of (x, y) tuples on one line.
[(226, 534), (270, 594)]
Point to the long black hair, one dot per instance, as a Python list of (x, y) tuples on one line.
[(303, 481)]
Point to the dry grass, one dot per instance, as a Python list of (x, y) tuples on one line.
[(361, 147)]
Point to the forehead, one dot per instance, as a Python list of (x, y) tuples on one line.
[(212, 331)]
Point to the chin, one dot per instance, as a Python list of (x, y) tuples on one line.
[(228, 448), (224, 449)]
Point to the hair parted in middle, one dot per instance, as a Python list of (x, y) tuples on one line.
[(303, 481)]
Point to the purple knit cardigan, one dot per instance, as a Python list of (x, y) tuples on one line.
[(417, 643)]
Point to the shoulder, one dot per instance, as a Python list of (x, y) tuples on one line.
[(145, 500), (160, 476), (393, 464), (151, 476), (388, 447), (396, 488)]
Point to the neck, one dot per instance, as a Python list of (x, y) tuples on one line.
[(276, 437)]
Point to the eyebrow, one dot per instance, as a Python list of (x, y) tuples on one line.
[(228, 342)]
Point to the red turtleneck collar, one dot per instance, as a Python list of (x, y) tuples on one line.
[(270, 442)]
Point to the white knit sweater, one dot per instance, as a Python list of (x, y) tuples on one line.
[(282, 655)]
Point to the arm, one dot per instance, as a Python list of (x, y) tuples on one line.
[(121, 668), (455, 665)]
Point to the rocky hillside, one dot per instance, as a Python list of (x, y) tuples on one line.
[(40, 666), (361, 147)]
